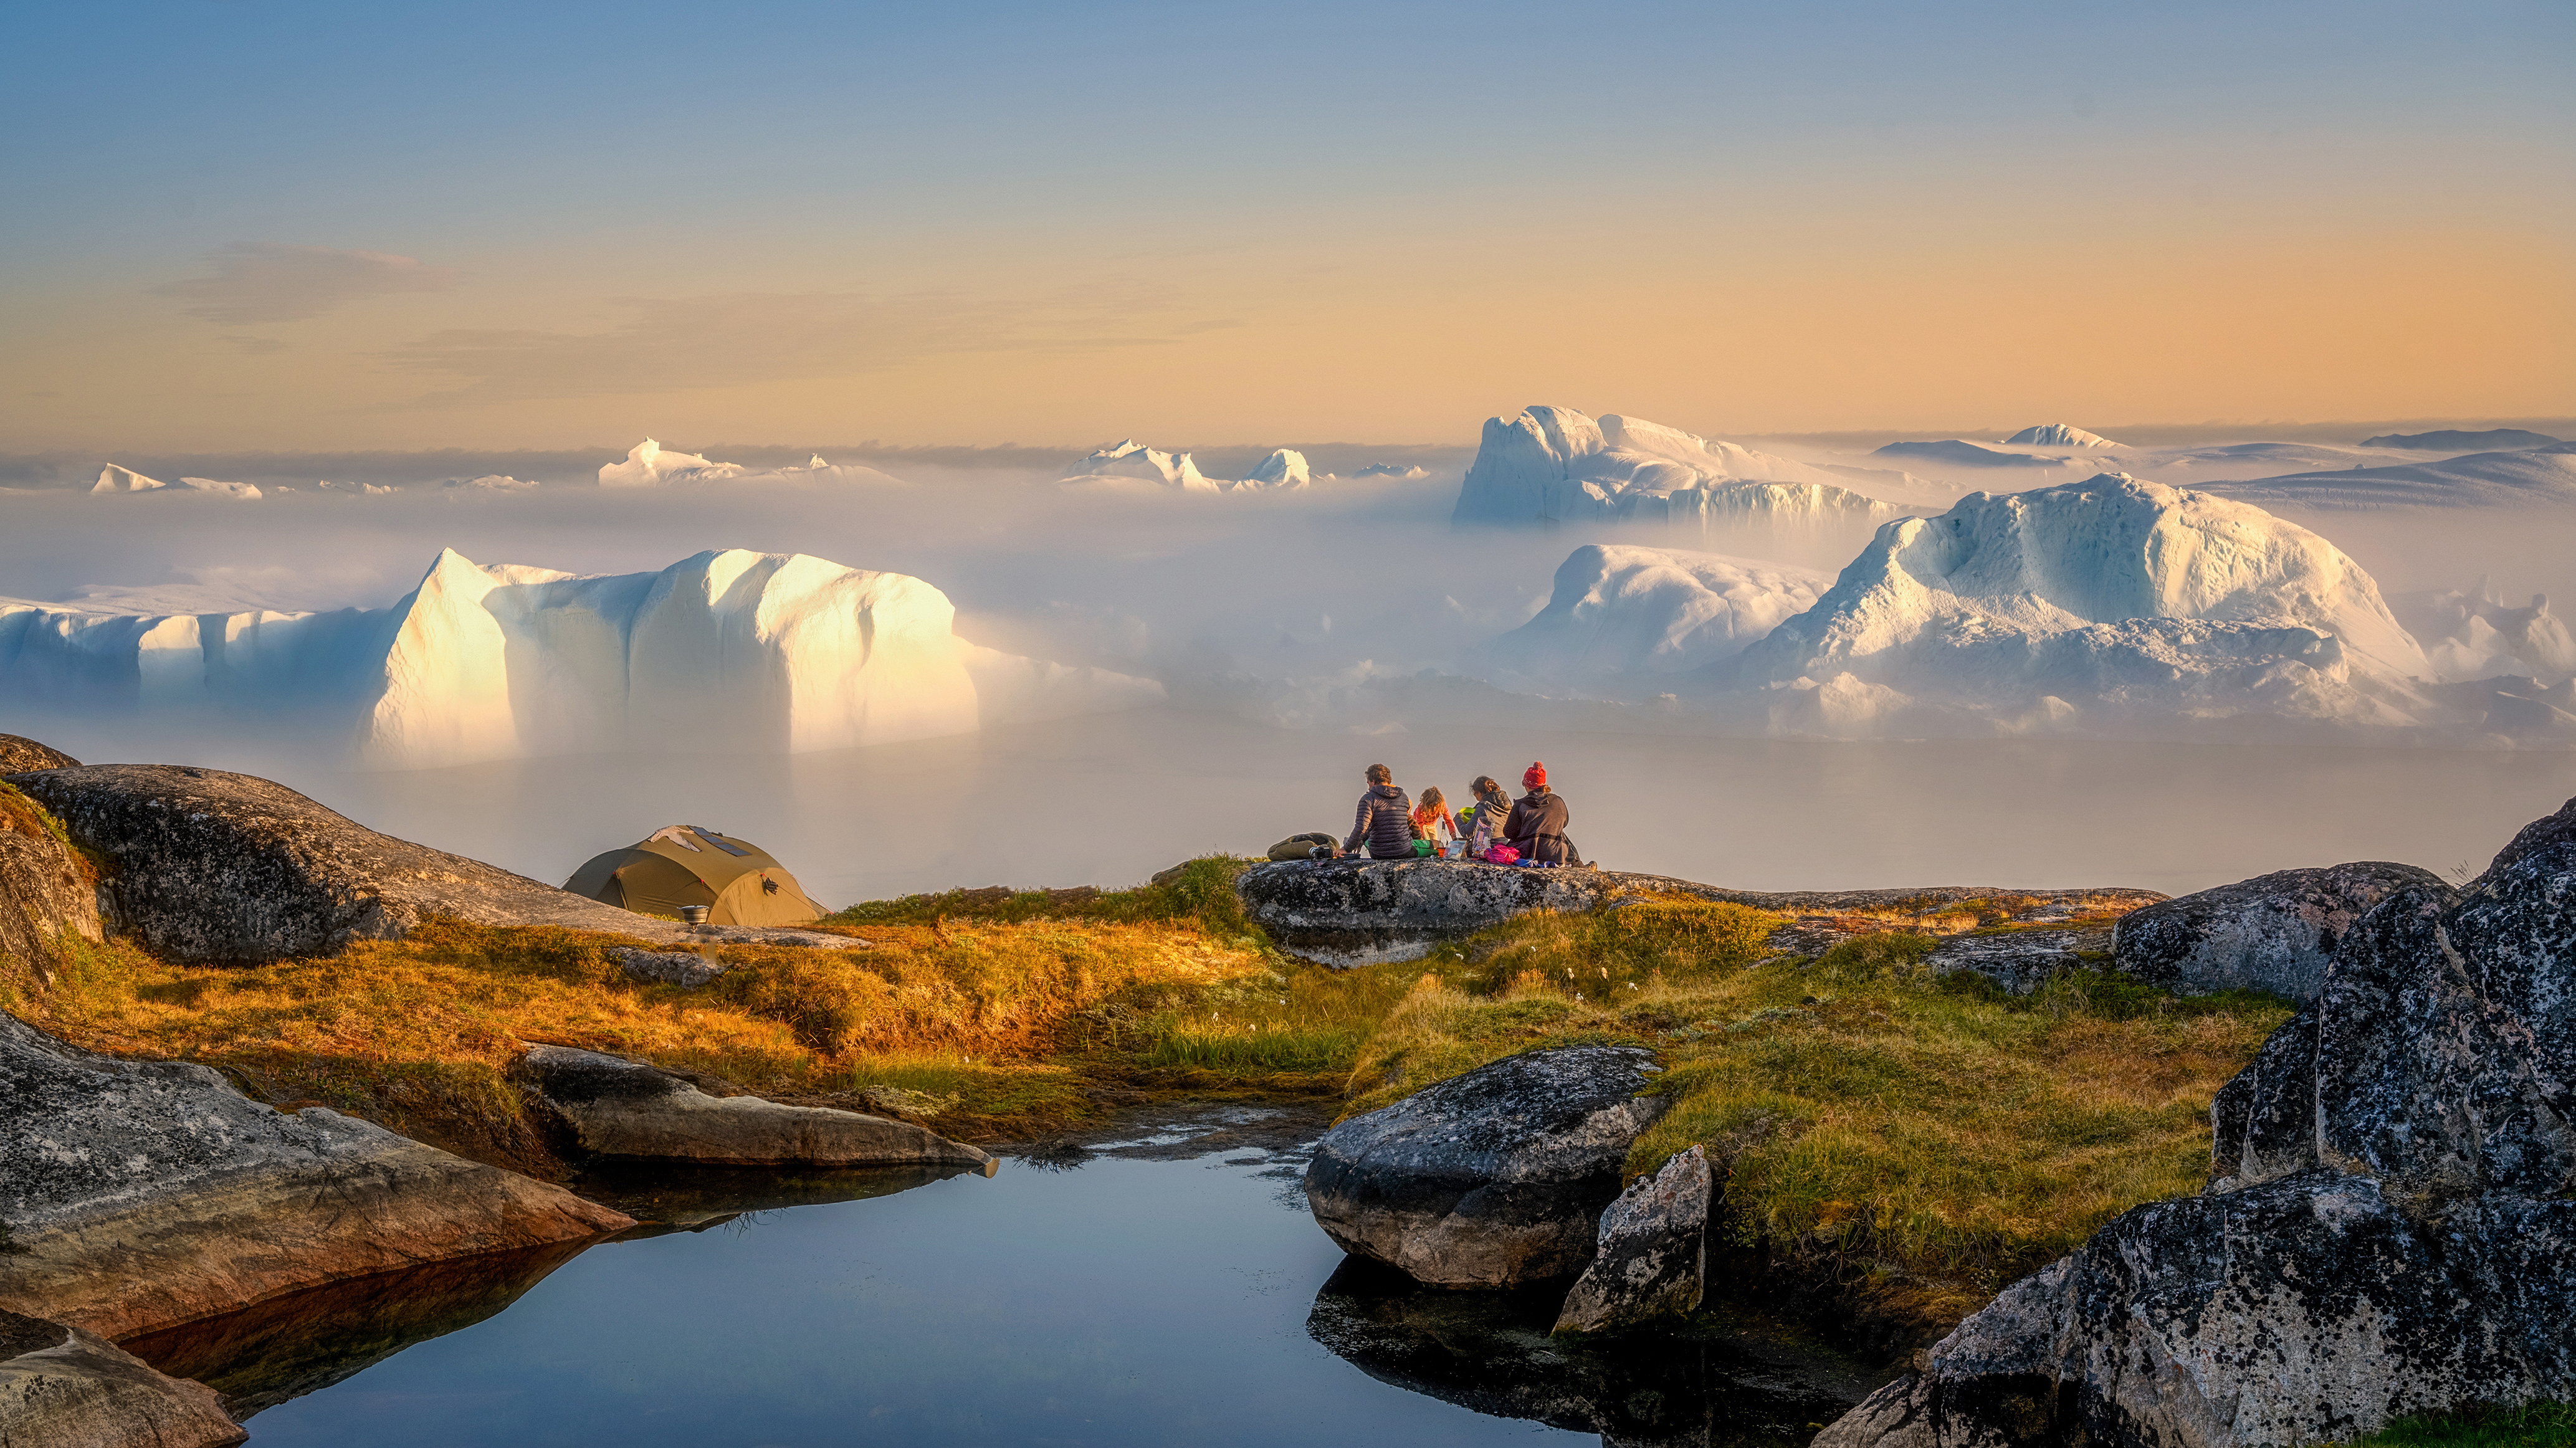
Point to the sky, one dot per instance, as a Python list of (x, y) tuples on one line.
[(252, 226)]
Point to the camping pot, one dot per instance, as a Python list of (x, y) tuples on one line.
[(695, 915)]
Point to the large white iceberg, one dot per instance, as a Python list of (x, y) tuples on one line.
[(2058, 434), (1548, 465), (115, 479), (650, 465), (726, 650), (1626, 611), (2099, 605)]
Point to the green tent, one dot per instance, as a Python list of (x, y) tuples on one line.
[(738, 882)]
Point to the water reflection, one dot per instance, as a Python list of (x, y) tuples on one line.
[(1491, 1352)]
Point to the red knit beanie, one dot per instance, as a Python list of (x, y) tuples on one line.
[(1534, 776)]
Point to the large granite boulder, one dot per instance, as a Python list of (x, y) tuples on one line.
[(1344, 913), (2391, 1228), (61, 1387), (2273, 933), (140, 1194), (1490, 1179), (608, 1106), (18, 754), (46, 891), (1652, 1257), (229, 868)]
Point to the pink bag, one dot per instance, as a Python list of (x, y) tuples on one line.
[(1501, 855)]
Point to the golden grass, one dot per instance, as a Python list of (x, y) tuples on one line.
[(1867, 1113)]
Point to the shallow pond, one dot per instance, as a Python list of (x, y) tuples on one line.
[(1167, 1286)]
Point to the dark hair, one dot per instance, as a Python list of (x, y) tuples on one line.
[(1380, 774), (1485, 785)]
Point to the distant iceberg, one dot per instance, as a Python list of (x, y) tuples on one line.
[(1130, 462), (2475, 634), (1404, 471), (1617, 610), (2516, 478), (650, 465), (1553, 464), (115, 479), (1957, 452), (2058, 434), (725, 650)]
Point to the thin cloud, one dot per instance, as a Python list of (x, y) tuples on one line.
[(683, 343), (265, 281)]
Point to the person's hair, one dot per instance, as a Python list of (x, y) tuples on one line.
[(1433, 799), (1485, 785), (1380, 774)]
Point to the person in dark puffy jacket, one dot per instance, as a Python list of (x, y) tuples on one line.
[(1385, 821), (1537, 824)]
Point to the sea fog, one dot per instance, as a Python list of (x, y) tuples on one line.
[(1260, 613)]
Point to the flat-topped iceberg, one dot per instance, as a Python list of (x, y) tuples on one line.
[(725, 650), (1548, 465), (1618, 610)]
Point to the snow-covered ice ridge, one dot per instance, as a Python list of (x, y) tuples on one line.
[(650, 465), (2112, 606), (1554, 465), (728, 649), (1130, 462)]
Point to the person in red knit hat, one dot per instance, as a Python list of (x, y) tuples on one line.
[(1537, 824)]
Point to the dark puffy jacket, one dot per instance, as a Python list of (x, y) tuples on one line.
[(1537, 827), (1385, 822)]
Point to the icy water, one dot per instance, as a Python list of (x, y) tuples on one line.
[(1168, 1289)]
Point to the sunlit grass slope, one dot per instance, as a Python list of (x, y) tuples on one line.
[(1869, 1116), (1002, 1016)]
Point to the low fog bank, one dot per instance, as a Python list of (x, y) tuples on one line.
[(1109, 800)]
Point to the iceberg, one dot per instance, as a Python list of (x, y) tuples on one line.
[(725, 650), (1130, 462), (1960, 453), (2475, 634), (2058, 434), (649, 465), (2515, 478), (2453, 440), (1618, 610), (1403, 471), (492, 483), (1549, 465), (115, 479), (2101, 605)]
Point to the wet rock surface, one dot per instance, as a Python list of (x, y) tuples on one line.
[(2273, 933), (2392, 1229), (142, 1194), (1651, 1258), (1491, 1352), (1494, 1178), (61, 1387), (19, 754), (225, 868), (608, 1106)]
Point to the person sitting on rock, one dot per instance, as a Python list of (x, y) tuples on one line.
[(1433, 824), (1536, 827), (1492, 808), (1385, 822)]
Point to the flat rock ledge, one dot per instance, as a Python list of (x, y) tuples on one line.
[(61, 1387), (1494, 1178), (223, 868), (1652, 1256), (1346, 913), (2391, 1228), (145, 1194), (610, 1107)]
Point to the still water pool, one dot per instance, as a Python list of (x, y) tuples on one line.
[(1166, 1287)]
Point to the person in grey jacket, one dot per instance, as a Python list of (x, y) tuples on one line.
[(1385, 819)]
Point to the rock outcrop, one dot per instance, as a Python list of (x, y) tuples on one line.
[(61, 1387), (18, 754), (140, 1194), (46, 891), (608, 1106), (228, 868), (2391, 1229), (1652, 1257), (2273, 933), (1490, 1179)]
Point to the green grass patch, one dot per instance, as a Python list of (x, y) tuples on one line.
[(2531, 1425)]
